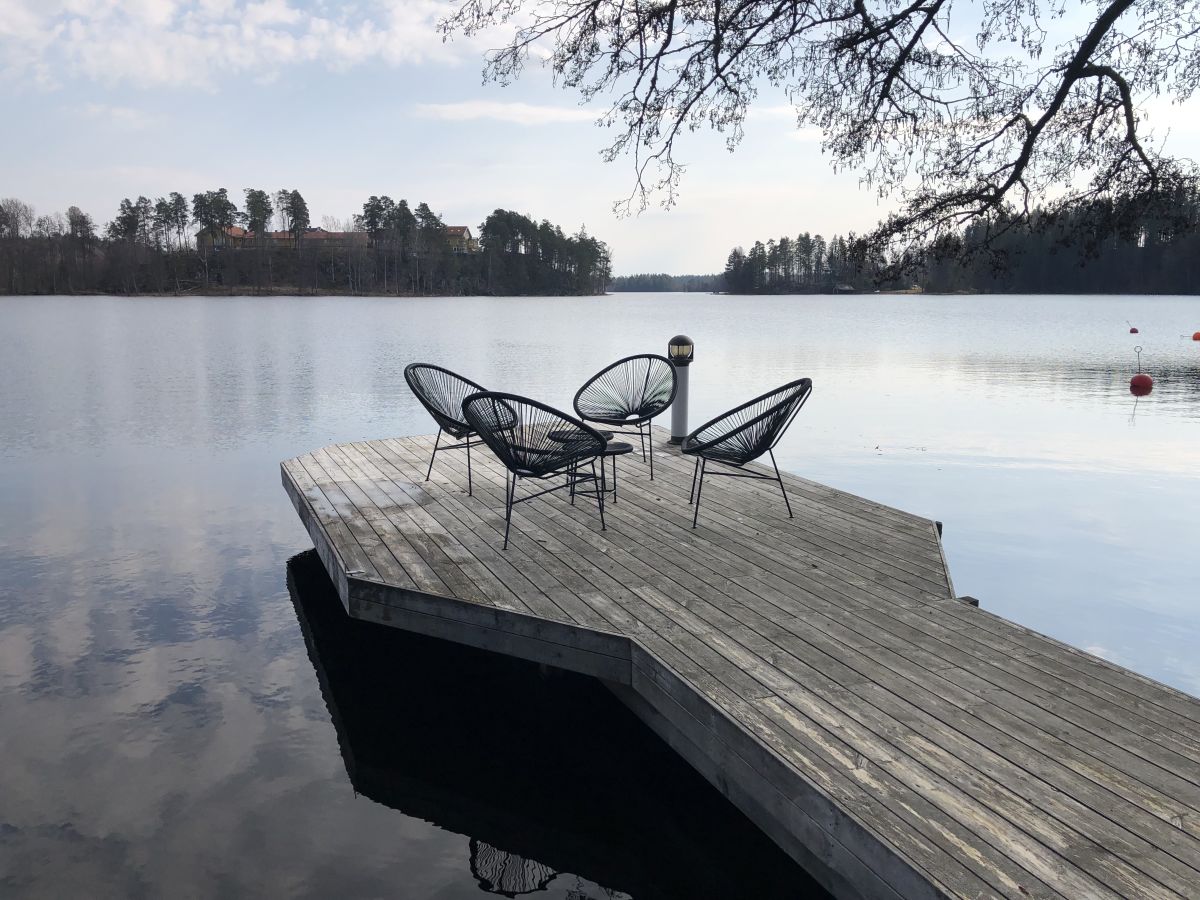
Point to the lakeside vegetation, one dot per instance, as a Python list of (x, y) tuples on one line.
[(660, 281), (1082, 251), (209, 245)]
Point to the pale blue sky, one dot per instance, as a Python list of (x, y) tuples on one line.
[(106, 99)]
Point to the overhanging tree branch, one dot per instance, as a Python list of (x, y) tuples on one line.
[(952, 133)]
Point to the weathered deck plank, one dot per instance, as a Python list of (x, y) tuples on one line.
[(815, 669)]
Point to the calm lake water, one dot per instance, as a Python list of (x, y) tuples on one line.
[(184, 712)]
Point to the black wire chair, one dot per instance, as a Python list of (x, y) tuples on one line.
[(742, 435), (508, 874), (629, 393), (533, 440), (442, 392)]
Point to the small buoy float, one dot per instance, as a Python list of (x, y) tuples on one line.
[(1196, 336), (1133, 331), (1140, 384)]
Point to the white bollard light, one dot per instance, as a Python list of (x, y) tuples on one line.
[(681, 351)]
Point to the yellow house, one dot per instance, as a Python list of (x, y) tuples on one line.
[(460, 239)]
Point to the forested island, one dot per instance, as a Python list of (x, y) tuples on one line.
[(1038, 255), (660, 281), (208, 245)]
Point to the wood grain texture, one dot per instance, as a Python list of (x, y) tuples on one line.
[(817, 670)]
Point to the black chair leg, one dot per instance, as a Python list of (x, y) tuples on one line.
[(598, 484), (650, 441), (614, 459), (692, 492), (470, 486), (642, 439), (433, 455), (602, 486), (508, 505), (699, 489), (779, 478)]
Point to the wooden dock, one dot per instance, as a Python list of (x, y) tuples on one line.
[(897, 742)]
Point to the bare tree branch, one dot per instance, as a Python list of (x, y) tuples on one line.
[(953, 132)]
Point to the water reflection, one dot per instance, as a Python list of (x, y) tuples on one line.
[(161, 729), (553, 780), (508, 874)]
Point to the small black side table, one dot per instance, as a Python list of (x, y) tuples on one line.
[(613, 449), (565, 435)]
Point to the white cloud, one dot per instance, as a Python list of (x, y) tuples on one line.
[(786, 114), (516, 113), (775, 111), (271, 12), (198, 42), (126, 117), (806, 135)]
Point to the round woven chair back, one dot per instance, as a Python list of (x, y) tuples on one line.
[(530, 438), (747, 432), (630, 391), (442, 392), (507, 874)]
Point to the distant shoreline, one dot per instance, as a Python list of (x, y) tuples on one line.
[(283, 293), (394, 296)]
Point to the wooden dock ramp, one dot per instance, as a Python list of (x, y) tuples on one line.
[(897, 742)]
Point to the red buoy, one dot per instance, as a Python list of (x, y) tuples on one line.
[(1196, 336), (1141, 384), (1133, 331)]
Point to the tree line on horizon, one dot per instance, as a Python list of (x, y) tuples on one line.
[(171, 245), (1098, 248), (661, 281)]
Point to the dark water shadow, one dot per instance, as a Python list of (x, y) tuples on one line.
[(545, 774)]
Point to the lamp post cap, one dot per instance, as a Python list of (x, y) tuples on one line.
[(681, 350)]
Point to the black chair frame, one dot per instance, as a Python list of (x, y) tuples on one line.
[(438, 447), (574, 478), (447, 424), (641, 426), (499, 432), (795, 393), (604, 481)]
